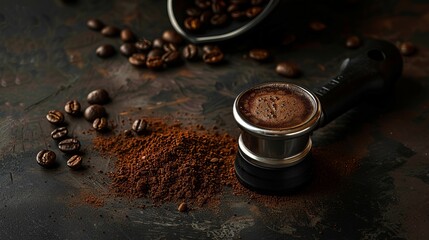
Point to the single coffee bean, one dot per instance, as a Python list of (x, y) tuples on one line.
[(143, 45), (139, 126), (218, 6), (46, 158), (55, 117), (287, 69), (100, 124), (233, 8), (98, 96), (171, 57), (238, 15), (213, 57), (94, 111), (59, 133), (219, 19), (157, 43), (205, 17), (192, 23), (128, 133), (128, 36), (353, 42), (127, 49), (172, 36), (137, 60), (95, 24), (203, 4), (259, 54), (183, 207), (317, 26), (155, 52), (155, 62), (74, 162), (69, 145), (72, 107), (169, 47), (190, 52), (252, 12), (193, 12), (105, 51), (110, 31), (210, 48), (407, 48)]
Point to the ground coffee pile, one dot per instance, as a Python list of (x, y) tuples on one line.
[(170, 163)]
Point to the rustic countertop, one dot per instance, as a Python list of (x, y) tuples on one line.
[(47, 57)]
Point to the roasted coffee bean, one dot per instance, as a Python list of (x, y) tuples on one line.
[(253, 11), (219, 19), (95, 24), (193, 12), (139, 126), (259, 54), (171, 57), (105, 51), (155, 53), (287, 69), (59, 133), (98, 96), (46, 158), (192, 23), (205, 17), (407, 48), (317, 26), (157, 43), (100, 124), (94, 111), (72, 107), (213, 57), (233, 8), (190, 51), (218, 6), (110, 31), (74, 162), (128, 36), (169, 47), (137, 60), (55, 117), (127, 49), (238, 15), (353, 42), (128, 133), (143, 45), (69, 145), (183, 207), (210, 48), (155, 62), (172, 36), (203, 4)]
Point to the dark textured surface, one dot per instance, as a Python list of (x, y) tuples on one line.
[(47, 57)]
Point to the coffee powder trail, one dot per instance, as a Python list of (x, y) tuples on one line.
[(171, 163)]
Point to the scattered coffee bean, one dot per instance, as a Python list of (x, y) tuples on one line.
[(72, 107), (157, 43), (127, 49), (407, 48), (172, 36), (317, 26), (155, 62), (213, 57), (190, 52), (98, 96), (171, 57), (128, 133), (55, 117), (287, 69), (74, 162), (46, 158), (94, 111), (105, 51), (139, 126), (143, 45), (128, 36), (59, 133), (100, 124), (183, 207), (137, 60), (69, 145), (259, 54), (192, 23), (95, 24), (353, 42), (110, 31)]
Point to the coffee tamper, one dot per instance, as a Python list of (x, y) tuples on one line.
[(277, 118)]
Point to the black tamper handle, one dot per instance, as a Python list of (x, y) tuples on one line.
[(373, 71)]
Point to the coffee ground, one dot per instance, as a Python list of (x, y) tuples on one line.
[(170, 163)]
